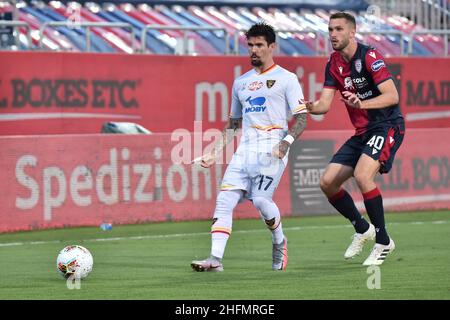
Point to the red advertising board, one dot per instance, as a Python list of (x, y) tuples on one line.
[(66, 180), (74, 93), (72, 180)]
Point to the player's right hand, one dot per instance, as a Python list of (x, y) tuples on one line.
[(309, 106), (207, 160)]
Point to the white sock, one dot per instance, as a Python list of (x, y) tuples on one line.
[(223, 220), (277, 234), (271, 216), (218, 244)]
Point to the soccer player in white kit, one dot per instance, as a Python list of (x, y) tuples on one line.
[(262, 100)]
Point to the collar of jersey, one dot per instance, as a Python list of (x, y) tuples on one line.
[(358, 48), (267, 70)]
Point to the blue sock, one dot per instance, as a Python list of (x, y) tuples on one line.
[(374, 206), (343, 202)]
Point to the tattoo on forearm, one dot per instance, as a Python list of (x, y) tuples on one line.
[(228, 134), (235, 124), (299, 126)]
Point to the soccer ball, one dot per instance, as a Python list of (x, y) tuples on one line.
[(74, 260)]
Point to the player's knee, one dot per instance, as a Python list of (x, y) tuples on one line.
[(261, 203), (268, 210), (227, 200), (272, 223), (326, 184), (362, 177)]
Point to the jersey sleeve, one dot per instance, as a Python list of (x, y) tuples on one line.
[(329, 80), (294, 95), (236, 106), (376, 66)]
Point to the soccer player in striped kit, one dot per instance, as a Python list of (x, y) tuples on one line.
[(360, 74), (262, 100)]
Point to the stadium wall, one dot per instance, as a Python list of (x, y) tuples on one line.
[(52, 181), (74, 93)]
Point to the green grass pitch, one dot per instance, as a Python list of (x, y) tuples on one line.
[(152, 261)]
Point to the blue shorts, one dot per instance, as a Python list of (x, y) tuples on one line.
[(380, 144)]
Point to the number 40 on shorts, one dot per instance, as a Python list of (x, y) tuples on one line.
[(376, 142)]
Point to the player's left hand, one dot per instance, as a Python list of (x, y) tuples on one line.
[(280, 149), (351, 99)]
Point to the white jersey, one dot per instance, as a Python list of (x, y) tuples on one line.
[(265, 101)]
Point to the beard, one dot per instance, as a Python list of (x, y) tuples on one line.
[(255, 62), (341, 46)]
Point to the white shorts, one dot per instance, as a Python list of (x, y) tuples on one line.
[(258, 174)]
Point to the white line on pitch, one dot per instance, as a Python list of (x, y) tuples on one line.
[(176, 235)]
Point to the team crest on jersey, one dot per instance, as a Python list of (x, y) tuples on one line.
[(340, 69), (270, 83), (348, 83), (358, 65), (255, 85), (372, 54)]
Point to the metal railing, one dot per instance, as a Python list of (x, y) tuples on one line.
[(18, 24), (185, 30), (431, 14), (316, 33), (388, 32), (88, 26), (319, 34), (445, 33)]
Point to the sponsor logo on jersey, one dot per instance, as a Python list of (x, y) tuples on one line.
[(358, 65), (270, 83), (255, 85), (255, 109), (360, 82), (256, 104), (364, 95), (377, 65)]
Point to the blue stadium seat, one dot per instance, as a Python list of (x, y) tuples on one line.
[(233, 19)]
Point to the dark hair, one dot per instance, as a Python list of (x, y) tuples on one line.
[(344, 15), (261, 29)]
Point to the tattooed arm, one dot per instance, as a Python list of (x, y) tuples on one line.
[(295, 131), (228, 134)]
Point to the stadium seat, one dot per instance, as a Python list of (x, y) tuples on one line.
[(301, 31)]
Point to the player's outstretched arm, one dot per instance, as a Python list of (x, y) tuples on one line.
[(294, 132), (228, 133), (322, 105)]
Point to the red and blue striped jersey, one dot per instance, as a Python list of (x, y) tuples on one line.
[(362, 75)]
